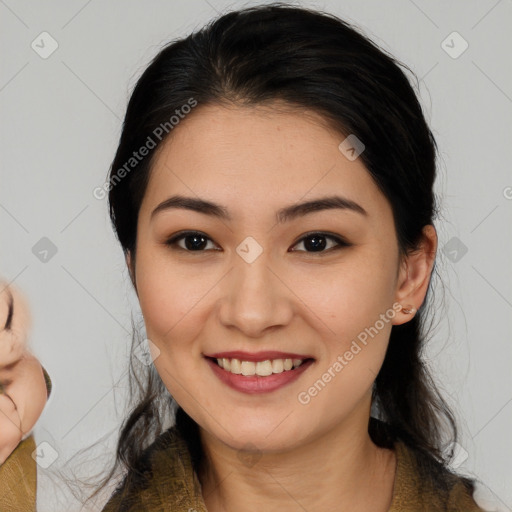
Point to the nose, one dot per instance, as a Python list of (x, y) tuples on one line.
[(255, 298)]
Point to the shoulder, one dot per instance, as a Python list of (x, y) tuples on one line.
[(418, 488), (164, 472)]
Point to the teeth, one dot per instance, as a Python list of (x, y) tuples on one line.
[(248, 368), (278, 366), (236, 367), (264, 368), (261, 368)]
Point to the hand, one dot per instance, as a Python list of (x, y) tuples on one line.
[(15, 324), (23, 391)]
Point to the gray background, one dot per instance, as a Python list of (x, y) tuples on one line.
[(61, 119)]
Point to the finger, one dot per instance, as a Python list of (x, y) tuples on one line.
[(18, 323)]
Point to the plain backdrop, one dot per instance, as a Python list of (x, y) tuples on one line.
[(66, 71)]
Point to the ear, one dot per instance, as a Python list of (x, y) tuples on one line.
[(131, 269), (414, 275)]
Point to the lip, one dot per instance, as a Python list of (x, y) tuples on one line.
[(257, 356), (255, 384)]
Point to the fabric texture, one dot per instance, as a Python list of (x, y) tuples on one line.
[(18, 479), (171, 485)]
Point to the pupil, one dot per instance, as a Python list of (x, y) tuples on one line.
[(195, 245), (315, 245)]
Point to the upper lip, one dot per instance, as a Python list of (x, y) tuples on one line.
[(257, 356)]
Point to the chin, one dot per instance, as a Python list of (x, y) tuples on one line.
[(260, 436)]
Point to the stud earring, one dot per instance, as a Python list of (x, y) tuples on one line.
[(408, 311)]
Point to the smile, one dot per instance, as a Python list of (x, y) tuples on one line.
[(258, 377)]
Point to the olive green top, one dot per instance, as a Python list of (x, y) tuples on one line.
[(174, 486)]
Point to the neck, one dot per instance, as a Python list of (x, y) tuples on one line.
[(340, 470)]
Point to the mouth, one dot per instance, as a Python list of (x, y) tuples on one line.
[(258, 376)]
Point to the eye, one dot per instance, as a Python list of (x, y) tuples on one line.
[(316, 242), (194, 241)]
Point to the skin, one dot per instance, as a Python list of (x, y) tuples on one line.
[(269, 451), (21, 375)]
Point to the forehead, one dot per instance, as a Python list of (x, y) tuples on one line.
[(258, 156)]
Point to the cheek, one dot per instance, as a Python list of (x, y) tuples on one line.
[(166, 306), (171, 302), (350, 296), (353, 311)]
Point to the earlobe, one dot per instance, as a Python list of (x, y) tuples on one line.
[(414, 276)]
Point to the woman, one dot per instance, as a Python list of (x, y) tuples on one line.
[(285, 218), (273, 195)]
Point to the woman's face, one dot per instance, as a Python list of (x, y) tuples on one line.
[(254, 282)]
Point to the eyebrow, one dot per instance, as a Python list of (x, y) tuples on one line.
[(285, 214)]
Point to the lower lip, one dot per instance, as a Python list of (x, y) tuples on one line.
[(256, 384)]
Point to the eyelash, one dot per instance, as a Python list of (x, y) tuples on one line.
[(172, 242)]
